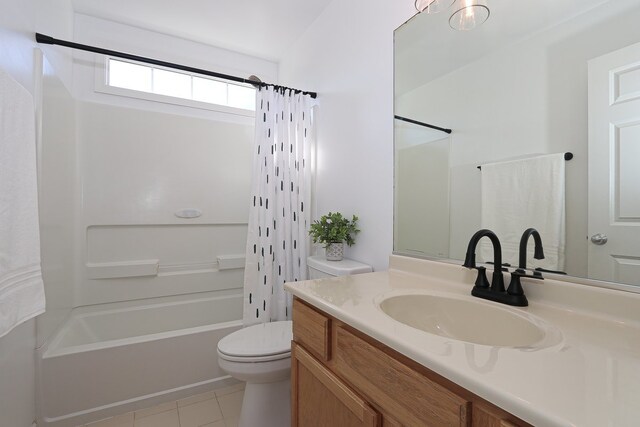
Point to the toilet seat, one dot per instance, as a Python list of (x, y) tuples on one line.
[(258, 343)]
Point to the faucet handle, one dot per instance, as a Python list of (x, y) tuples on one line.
[(515, 287), (481, 280), (523, 273), (515, 293)]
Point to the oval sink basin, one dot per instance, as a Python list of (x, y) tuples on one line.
[(462, 319)]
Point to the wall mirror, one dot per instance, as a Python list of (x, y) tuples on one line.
[(539, 79)]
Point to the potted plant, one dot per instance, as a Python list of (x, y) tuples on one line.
[(333, 230)]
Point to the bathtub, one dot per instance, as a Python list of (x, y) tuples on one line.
[(114, 358)]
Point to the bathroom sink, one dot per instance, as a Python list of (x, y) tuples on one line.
[(465, 319)]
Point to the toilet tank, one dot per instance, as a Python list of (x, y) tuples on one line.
[(320, 268)]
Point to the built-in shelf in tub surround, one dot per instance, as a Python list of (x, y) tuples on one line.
[(152, 267), (588, 376), (113, 270)]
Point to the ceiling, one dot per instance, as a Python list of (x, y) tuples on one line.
[(427, 48), (262, 28)]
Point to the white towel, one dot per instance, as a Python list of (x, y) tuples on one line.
[(21, 286), (525, 193)]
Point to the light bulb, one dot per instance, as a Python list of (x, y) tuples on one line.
[(433, 6), (469, 15)]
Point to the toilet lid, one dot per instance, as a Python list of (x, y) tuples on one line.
[(266, 339)]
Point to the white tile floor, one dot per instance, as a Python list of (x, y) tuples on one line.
[(219, 408)]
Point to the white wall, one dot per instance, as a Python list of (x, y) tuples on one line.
[(111, 35), (530, 97), (17, 363), (497, 110), (19, 21), (141, 161), (58, 200), (138, 169), (421, 211), (17, 27), (55, 18), (347, 57), (137, 163), (117, 168)]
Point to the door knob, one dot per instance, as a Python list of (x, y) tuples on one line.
[(599, 239)]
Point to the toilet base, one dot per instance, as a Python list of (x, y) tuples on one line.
[(266, 404)]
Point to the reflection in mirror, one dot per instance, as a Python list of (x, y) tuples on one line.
[(422, 165), (539, 79)]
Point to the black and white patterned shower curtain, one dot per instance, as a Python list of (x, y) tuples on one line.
[(277, 238)]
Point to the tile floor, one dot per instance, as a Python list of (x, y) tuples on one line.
[(218, 408)]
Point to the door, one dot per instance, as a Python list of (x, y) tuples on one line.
[(614, 166), (320, 399)]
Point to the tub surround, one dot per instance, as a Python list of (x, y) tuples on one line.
[(588, 376), (112, 358)]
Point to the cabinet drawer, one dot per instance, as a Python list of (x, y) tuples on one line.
[(412, 398), (485, 417), (312, 329), (320, 399)]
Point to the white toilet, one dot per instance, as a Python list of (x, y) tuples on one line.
[(320, 268), (260, 355)]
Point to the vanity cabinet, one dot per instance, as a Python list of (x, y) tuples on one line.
[(321, 399), (341, 377)]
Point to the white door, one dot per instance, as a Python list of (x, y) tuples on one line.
[(614, 166)]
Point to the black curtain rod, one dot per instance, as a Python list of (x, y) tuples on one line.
[(42, 38), (567, 156), (427, 125)]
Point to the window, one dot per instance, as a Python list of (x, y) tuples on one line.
[(180, 86)]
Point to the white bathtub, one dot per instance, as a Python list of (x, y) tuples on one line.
[(114, 358)]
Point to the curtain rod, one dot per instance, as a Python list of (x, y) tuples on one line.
[(427, 125), (44, 39), (567, 156)]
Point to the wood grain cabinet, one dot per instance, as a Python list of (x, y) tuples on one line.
[(321, 399), (341, 377)]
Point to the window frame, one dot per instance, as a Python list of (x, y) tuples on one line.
[(101, 85)]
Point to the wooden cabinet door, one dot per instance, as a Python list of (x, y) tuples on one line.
[(410, 397), (319, 398)]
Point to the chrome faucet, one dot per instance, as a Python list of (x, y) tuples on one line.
[(514, 295)]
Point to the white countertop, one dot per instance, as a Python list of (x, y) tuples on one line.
[(591, 377)]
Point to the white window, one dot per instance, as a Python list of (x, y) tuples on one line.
[(129, 78)]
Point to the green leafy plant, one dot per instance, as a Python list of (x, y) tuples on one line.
[(334, 228)]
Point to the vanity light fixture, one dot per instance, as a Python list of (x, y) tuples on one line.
[(433, 6), (469, 14)]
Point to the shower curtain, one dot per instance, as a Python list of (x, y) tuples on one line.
[(277, 237)]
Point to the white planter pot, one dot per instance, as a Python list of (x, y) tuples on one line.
[(335, 251)]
